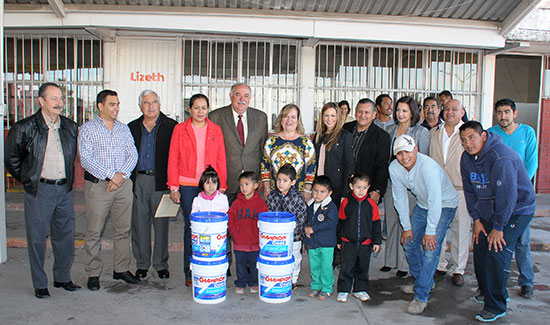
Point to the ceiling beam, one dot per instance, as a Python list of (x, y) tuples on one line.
[(58, 8), (510, 47), (105, 34), (517, 15)]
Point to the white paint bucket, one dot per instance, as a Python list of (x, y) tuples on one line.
[(209, 235), (275, 280), (276, 235), (209, 280)]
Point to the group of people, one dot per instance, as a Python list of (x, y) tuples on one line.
[(430, 174)]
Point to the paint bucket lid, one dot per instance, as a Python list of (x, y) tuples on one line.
[(209, 216), (209, 261), (277, 262), (276, 217)]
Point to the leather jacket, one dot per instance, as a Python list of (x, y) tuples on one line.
[(26, 147)]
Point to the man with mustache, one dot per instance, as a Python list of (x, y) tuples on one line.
[(40, 153), (446, 149), (431, 113), (152, 132), (384, 111), (522, 139), (108, 155), (244, 133)]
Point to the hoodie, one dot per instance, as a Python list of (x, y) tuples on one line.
[(496, 184), (243, 222)]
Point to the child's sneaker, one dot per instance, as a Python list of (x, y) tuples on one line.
[(313, 293), (342, 296), (254, 289), (361, 295), (324, 295), (239, 290)]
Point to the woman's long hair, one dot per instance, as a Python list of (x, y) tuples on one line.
[(329, 138), (284, 112)]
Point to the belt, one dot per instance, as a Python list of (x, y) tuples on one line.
[(146, 172), (92, 178), (58, 182)]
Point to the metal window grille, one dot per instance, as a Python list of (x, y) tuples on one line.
[(74, 63), (269, 67), (353, 71)]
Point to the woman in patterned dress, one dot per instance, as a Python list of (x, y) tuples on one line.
[(289, 144)]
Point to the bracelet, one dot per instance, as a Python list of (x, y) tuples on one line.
[(308, 191), (174, 191)]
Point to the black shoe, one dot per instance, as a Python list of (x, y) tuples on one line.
[(93, 283), (127, 276), (440, 273), (401, 274), (41, 293), (69, 286), (164, 274), (526, 292), (141, 273), (385, 269)]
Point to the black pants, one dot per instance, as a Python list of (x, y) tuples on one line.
[(355, 266)]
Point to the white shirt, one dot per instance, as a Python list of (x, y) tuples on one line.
[(445, 139), (244, 119)]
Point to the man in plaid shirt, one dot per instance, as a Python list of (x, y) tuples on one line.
[(108, 154), (287, 199)]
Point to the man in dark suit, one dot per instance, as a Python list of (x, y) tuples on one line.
[(371, 148), (152, 133), (244, 132)]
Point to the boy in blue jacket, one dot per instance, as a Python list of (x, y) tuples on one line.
[(320, 232)]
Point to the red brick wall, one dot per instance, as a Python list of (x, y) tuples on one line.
[(543, 174)]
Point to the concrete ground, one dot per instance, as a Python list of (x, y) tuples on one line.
[(170, 302)]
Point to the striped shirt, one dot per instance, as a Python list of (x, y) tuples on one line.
[(103, 151)]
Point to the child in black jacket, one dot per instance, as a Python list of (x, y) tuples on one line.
[(360, 233)]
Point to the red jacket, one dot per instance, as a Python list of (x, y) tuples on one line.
[(182, 159), (243, 222)]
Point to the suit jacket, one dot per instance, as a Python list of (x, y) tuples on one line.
[(162, 147), (373, 157), (241, 158), (454, 154)]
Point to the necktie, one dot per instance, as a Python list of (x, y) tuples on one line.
[(240, 129)]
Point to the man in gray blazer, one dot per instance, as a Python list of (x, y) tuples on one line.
[(244, 133)]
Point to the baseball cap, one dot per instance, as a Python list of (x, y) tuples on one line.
[(403, 142)]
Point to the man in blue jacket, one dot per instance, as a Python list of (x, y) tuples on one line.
[(501, 200), (522, 139)]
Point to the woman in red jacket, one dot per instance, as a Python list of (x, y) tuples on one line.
[(196, 143)]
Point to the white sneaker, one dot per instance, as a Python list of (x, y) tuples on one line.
[(342, 296), (361, 295)]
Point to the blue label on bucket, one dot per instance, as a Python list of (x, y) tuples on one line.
[(209, 287), (275, 287), (209, 245), (276, 245)]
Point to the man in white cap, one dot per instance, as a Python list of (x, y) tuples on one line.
[(425, 229)]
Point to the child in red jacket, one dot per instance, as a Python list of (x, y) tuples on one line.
[(243, 227)]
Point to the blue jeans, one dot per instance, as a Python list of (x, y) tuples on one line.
[(188, 193), (423, 263), (493, 268), (523, 259), (246, 261)]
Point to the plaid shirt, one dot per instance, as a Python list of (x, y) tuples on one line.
[(294, 203), (103, 152)]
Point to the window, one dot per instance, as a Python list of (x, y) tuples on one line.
[(353, 71), (74, 63)]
